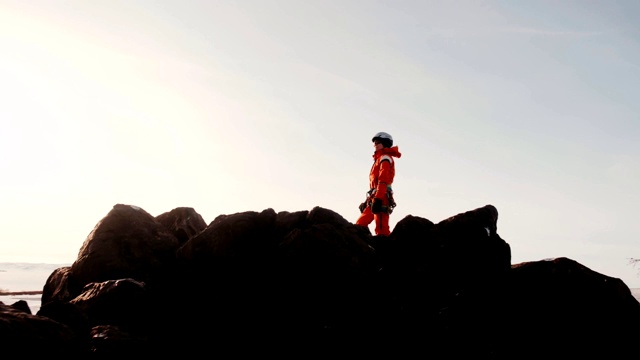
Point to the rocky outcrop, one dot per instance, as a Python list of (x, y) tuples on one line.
[(309, 283), (183, 222), (572, 308), (127, 243), (30, 335)]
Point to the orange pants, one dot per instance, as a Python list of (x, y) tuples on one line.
[(382, 221)]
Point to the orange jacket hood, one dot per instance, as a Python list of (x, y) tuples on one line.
[(392, 151)]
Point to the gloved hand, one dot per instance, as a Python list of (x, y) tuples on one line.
[(376, 206), (362, 207)]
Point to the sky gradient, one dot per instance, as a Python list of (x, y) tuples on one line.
[(231, 106)]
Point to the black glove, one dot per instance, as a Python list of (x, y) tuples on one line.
[(362, 207), (376, 206)]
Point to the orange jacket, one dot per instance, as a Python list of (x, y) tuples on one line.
[(383, 170)]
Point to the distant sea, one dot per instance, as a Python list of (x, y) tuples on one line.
[(15, 277)]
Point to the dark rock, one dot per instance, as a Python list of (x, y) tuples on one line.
[(120, 302), (183, 222), (109, 341), (30, 335), (22, 306), (566, 308), (127, 243), (68, 314), (291, 283), (60, 286)]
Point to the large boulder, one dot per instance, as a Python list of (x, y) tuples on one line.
[(183, 222), (562, 306), (295, 274), (60, 286), (127, 243), (440, 281)]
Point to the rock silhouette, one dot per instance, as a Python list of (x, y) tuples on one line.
[(310, 283)]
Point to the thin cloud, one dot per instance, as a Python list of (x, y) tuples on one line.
[(544, 32), (465, 32)]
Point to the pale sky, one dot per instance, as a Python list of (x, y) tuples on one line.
[(232, 106)]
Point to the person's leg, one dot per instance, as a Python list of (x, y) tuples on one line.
[(382, 224), (366, 217)]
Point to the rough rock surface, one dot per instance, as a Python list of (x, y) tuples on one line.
[(310, 283)]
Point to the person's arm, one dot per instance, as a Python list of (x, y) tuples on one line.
[(385, 178)]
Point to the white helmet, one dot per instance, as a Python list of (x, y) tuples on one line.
[(384, 138)]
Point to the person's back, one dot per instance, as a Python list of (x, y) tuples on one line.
[(379, 203)]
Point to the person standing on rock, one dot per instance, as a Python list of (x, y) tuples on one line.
[(379, 203)]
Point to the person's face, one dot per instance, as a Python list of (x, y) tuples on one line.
[(377, 145)]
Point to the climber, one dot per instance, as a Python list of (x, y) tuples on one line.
[(379, 203)]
